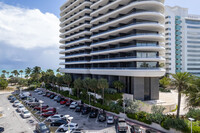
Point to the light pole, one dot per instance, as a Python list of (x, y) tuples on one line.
[(89, 98), (41, 102), (191, 119)]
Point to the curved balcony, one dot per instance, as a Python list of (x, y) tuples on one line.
[(67, 7), (74, 56), (148, 37), (77, 29), (75, 70), (74, 62), (81, 34), (77, 22), (151, 16), (149, 5), (151, 26), (76, 42), (127, 49), (75, 10), (127, 59), (133, 72), (99, 3), (74, 49), (71, 19)]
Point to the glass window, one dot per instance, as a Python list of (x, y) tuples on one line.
[(193, 22), (146, 64)]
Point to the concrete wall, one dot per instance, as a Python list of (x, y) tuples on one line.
[(154, 94), (139, 88)]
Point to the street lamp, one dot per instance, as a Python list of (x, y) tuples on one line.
[(41, 102), (89, 98), (191, 119)]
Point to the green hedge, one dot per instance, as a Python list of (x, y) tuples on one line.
[(140, 116), (193, 113), (113, 97)]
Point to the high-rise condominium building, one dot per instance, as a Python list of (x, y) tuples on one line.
[(182, 41), (116, 40)]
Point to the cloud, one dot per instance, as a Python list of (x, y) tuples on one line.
[(28, 38), (28, 28)]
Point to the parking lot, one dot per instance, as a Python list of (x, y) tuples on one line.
[(87, 124), (12, 122)]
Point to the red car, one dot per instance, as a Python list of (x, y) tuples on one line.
[(39, 108), (49, 109), (69, 102), (63, 101), (47, 114), (49, 94)]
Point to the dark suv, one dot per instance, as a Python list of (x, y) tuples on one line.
[(86, 110)]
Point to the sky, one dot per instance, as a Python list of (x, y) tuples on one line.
[(29, 31)]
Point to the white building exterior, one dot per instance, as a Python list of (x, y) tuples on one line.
[(182, 41), (116, 40)]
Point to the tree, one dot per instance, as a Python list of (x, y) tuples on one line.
[(21, 71), (193, 94), (7, 74), (4, 72), (78, 84), (93, 86), (49, 72), (59, 81), (36, 73), (155, 109), (16, 73), (67, 79), (118, 85), (132, 106), (102, 84), (3, 84), (182, 81), (3, 76), (86, 83), (165, 81), (58, 70), (28, 71)]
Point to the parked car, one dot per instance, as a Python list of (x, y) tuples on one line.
[(55, 98), (73, 105), (48, 94), (40, 93), (150, 131), (69, 102), (86, 110), (44, 106), (10, 97), (79, 108), (65, 127), (1, 129), (110, 120), (47, 114), (121, 125), (135, 129), (42, 128), (37, 90), (52, 96), (16, 103), (44, 93), (59, 99), (59, 122), (77, 131), (93, 113), (102, 117), (49, 109), (63, 101), (25, 113), (34, 104), (20, 107), (13, 99), (55, 118)]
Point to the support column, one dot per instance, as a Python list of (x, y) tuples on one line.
[(139, 88), (154, 91)]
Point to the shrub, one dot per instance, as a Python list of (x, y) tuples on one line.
[(178, 124), (140, 116), (156, 117), (194, 113), (164, 90), (155, 109), (110, 91), (113, 97)]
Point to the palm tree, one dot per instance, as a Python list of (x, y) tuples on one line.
[(36, 73), (93, 87), (86, 83), (182, 81), (67, 79), (21, 71), (118, 85), (4, 71), (50, 72), (102, 84), (28, 71), (16, 73), (7, 74), (59, 82), (165, 81), (193, 94), (78, 85)]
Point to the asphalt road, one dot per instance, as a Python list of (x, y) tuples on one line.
[(12, 120)]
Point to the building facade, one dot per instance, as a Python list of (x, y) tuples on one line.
[(182, 41), (115, 40)]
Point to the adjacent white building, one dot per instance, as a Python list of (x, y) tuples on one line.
[(182, 41), (116, 40)]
